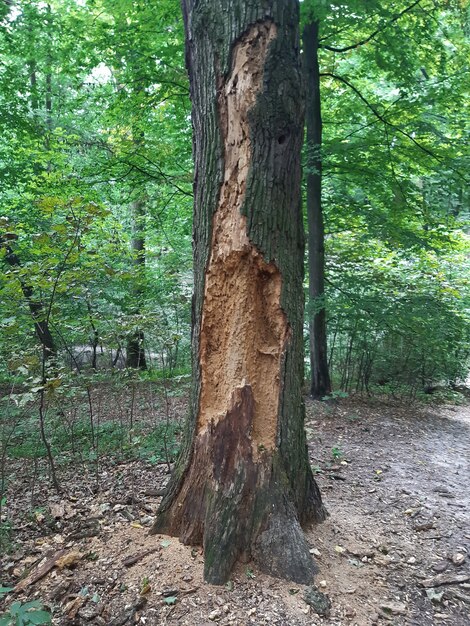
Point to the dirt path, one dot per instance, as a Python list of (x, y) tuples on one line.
[(396, 483), (405, 500)]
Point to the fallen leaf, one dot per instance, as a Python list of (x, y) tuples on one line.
[(169, 600), (136, 525), (70, 559)]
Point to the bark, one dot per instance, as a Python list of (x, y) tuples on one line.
[(242, 485), (320, 383), (135, 356)]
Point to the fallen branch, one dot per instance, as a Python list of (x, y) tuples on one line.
[(40, 572), (135, 558), (445, 579)]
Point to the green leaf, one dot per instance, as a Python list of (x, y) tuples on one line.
[(33, 604), (170, 600), (39, 617)]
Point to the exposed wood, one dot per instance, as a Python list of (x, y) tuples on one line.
[(40, 571)]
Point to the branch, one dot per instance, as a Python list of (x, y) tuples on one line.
[(380, 117), (372, 35)]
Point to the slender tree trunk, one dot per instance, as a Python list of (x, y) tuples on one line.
[(320, 383), (135, 342), (36, 307), (243, 484)]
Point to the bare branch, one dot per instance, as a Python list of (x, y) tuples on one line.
[(372, 35), (380, 117)]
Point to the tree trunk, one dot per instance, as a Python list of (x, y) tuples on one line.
[(135, 356), (320, 383), (41, 325), (243, 484)]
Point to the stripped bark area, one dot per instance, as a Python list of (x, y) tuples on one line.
[(244, 328), (242, 485)]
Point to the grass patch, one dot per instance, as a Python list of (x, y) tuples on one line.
[(110, 438)]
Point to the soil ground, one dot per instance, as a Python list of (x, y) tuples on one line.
[(395, 549)]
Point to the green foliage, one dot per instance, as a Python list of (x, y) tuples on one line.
[(395, 191), (24, 614), (398, 321), (336, 453)]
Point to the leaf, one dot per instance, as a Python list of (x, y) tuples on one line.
[(170, 600), (39, 617), (70, 559), (15, 608), (27, 606), (136, 525)]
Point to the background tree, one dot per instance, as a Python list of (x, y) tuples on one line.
[(381, 149), (320, 375)]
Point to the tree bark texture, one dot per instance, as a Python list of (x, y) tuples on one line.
[(243, 485), (320, 382)]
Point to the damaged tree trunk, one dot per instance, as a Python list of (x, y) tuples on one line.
[(243, 485)]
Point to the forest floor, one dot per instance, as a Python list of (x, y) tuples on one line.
[(395, 549)]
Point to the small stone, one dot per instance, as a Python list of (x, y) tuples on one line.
[(319, 602), (322, 583), (315, 552), (440, 567), (251, 612), (412, 560), (215, 615), (187, 578), (458, 558), (88, 612), (434, 595), (167, 593), (393, 608), (349, 611)]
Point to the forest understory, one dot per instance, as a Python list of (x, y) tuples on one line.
[(395, 549)]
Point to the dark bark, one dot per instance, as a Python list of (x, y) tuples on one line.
[(95, 340), (242, 485), (320, 382), (135, 356), (36, 307)]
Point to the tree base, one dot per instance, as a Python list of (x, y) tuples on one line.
[(237, 502)]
